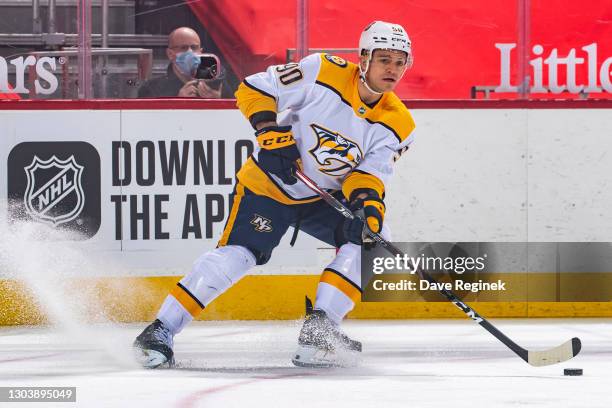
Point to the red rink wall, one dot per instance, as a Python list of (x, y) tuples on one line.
[(456, 45), (478, 171)]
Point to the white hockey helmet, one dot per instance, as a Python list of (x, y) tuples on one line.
[(387, 36), (381, 35)]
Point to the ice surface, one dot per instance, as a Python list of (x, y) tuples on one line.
[(416, 363)]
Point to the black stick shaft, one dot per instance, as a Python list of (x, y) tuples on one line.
[(471, 313)]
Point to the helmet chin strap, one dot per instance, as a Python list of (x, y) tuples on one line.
[(362, 76)]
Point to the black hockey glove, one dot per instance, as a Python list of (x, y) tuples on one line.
[(369, 208), (279, 153)]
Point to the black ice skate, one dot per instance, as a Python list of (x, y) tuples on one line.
[(153, 347), (323, 344)]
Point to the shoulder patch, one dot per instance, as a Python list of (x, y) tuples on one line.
[(337, 75), (341, 62)]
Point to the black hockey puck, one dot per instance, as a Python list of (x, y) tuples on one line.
[(572, 371)]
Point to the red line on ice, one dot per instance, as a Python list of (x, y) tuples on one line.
[(190, 400), (11, 360)]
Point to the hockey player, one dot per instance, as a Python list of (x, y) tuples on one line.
[(343, 126)]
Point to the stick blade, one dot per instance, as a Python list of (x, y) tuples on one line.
[(559, 354)]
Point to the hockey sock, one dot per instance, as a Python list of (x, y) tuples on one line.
[(212, 274), (339, 286)]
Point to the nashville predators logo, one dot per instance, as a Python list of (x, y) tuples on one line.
[(262, 224), (336, 154)]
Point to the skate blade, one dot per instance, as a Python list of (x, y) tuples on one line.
[(313, 357), (152, 359)]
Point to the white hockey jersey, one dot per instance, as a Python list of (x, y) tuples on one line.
[(337, 134)]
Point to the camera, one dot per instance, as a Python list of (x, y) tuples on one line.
[(209, 67)]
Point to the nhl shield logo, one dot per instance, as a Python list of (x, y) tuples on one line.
[(54, 193), (336, 154)]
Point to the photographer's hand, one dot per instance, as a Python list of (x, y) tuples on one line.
[(189, 90), (205, 91)]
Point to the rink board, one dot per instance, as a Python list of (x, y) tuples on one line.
[(157, 179), (263, 297)]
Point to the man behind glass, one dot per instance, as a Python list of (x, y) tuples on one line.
[(183, 44)]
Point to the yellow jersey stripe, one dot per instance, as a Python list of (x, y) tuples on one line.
[(253, 87), (389, 111), (256, 180), (251, 100), (229, 225), (360, 179)]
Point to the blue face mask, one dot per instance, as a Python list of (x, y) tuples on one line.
[(187, 62)]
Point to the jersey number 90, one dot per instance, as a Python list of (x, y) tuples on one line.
[(290, 73)]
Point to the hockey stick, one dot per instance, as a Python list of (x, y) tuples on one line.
[(558, 354)]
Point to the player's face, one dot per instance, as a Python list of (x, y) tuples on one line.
[(386, 69)]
